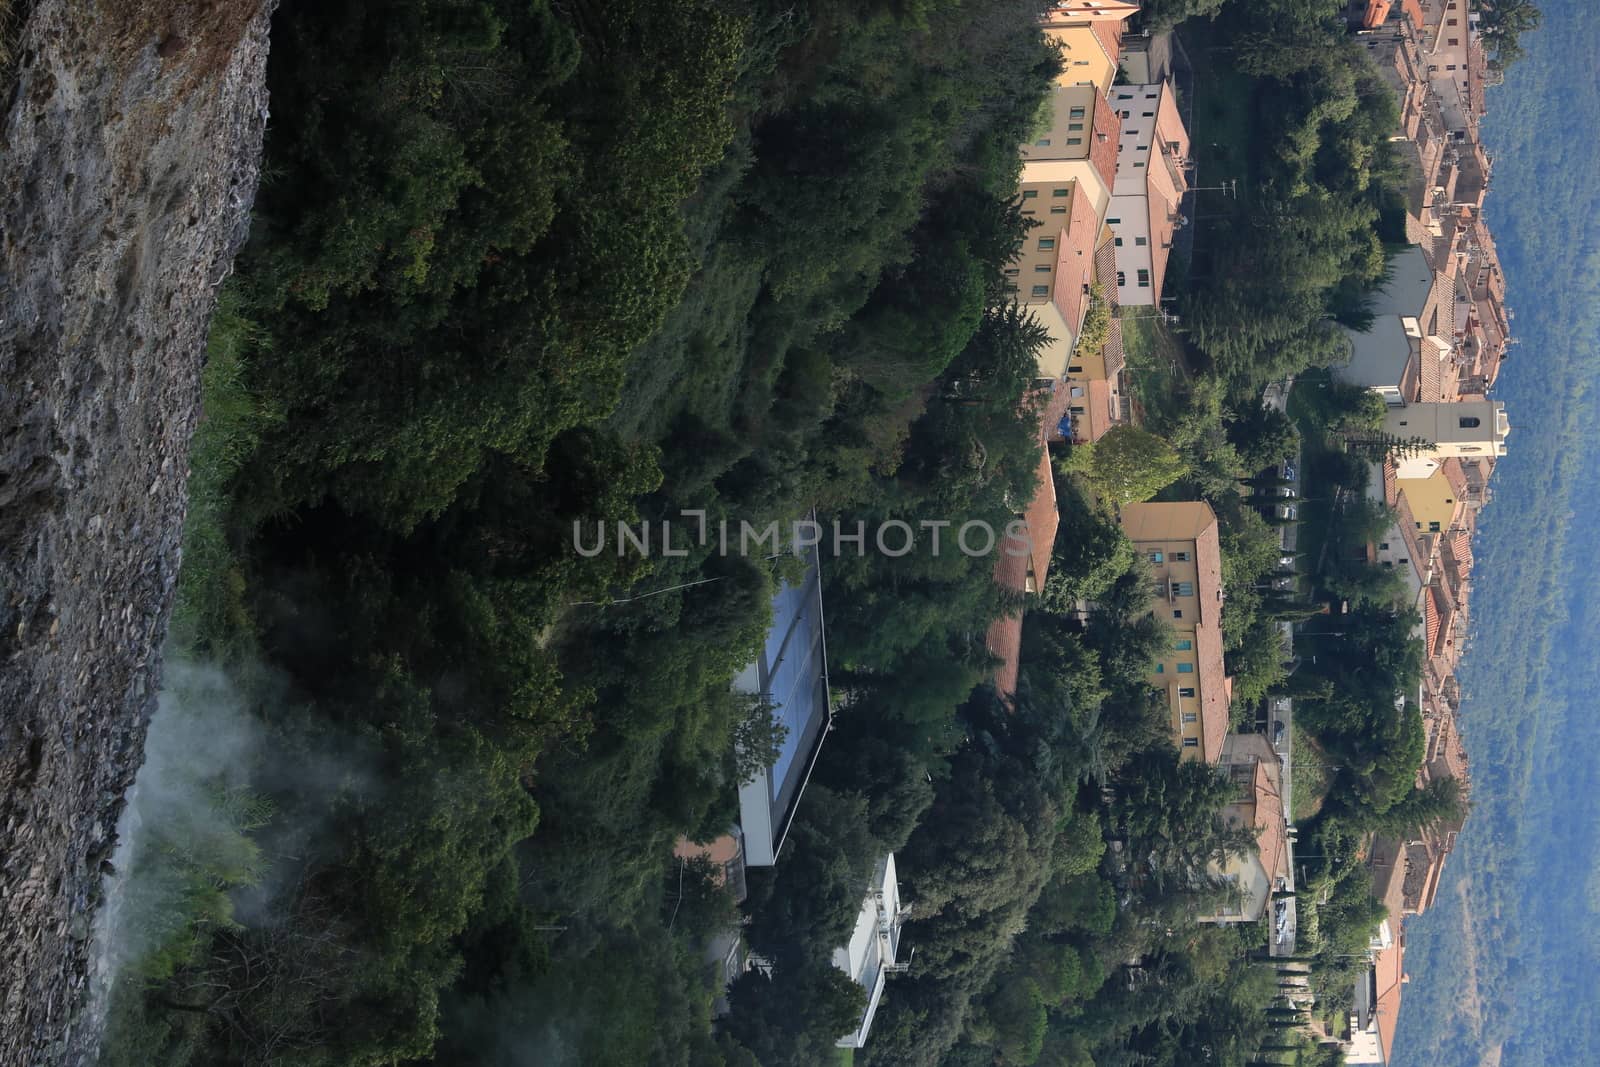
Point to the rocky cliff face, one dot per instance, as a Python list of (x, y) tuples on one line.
[(128, 162)]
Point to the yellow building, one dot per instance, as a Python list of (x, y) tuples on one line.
[(1180, 543), (1090, 49), (1067, 174), (1435, 507)]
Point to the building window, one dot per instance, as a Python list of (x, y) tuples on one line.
[(1449, 22), (1183, 646), (1180, 557), (1076, 368), (1178, 614), (1139, 164), (1042, 268), (1144, 148), (1183, 589), (1073, 127), (1186, 691), (1469, 422), (1113, 222), (1059, 193), (1158, 557), (1149, 115), (1186, 668), (1058, 211), (1124, 96), (1144, 279), (1383, 546), (1012, 272), (1075, 113), (1161, 668), (1011, 287), (1141, 241), (1188, 718), (1191, 742), (1455, 42), (1122, 278), (1117, 241), (1030, 194), (1074, 140), (1046, 243), (1041, 291), (1433, 527)]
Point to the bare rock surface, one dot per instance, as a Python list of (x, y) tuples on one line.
[(128, 161)]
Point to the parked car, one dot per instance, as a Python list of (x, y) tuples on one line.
[(1288, 511), (1289, 471), (1286, 563)]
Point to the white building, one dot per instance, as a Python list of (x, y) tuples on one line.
[(874, 948), (1151, 178)]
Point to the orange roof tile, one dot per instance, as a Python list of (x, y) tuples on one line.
[(1110, 36), (1103, 153), (1075, 258), (1389, 966), (1004, 641), (1042, 518)]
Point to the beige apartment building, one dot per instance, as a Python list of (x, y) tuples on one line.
[(1067, 173), (1180, 543)]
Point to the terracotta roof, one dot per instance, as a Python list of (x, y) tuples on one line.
[(1042, 518), (1098, 417), (1110, 36), (1412, 9), (1444, 613), (1075, 257), (1377, 11), (1271, 833), (1391, 481), (1103, 152), (1116, 358), (1389, 966), (1004, 641), (1460, 545), (1456, 475), (1165, 182), (1105, 273)]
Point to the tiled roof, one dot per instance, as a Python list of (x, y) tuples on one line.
[(1042, 518), (1444, 613), (1116, 358), (1271, 833), (1110, 36), (1004, 641), (1103, 152), (1105, 273), (1390, 968), (1075, 259)]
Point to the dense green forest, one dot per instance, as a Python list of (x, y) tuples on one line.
[(1517, 902), (526, 264)]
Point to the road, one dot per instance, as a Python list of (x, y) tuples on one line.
[(1281, 708)]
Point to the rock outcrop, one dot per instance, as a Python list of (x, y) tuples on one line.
[(128, 161)]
